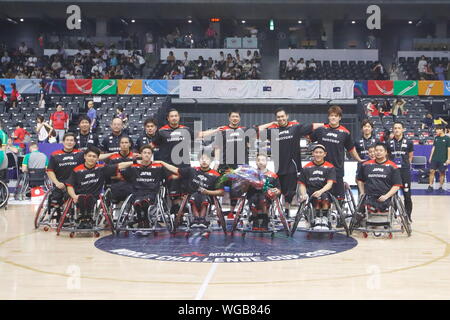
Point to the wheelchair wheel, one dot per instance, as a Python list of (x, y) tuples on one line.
[(349, 200), (219, 214), (164, 211), (341, 216), (126, 214), (403, 216), (354, 220), (42, 211), (300, 213), (4, 195)]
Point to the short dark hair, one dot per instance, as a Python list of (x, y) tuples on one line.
[(234, 111), (84, 117), (19, 124), (366, 121), (171, 110), (398, 122), (146, 146), (150, 120), (32, 144), (380, 144), (93, 149), (39, 117), (124, 137), (279, 110), (69, 134), (120, 108)]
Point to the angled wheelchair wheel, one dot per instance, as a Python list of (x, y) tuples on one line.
[(304, 211), (341, 216), (126, 214), (354, 220), (219, 214), (4, 195), (42, 211), (399, 206), (349, 201)]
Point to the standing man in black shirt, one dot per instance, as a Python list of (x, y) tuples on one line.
[(174, 143), (402, 152), (336, 139), (286, 150), (111, 142), (85, 137), (379, 179), (120, 189), (231, 146), (150, 128), (367, 140)]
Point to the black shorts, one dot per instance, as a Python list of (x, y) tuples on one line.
[(288, 184), (258, 201), (150, 198), (338, 189), (199, 199), (439, 166), (323, 199), (57, 196), (121, 190), (374, 206), (176, 186)]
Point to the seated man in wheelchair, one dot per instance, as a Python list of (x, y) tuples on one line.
[(201, 187), (86, 183), (316, 179), (260, 197), (33, 169), (145, 178), (378, 180)]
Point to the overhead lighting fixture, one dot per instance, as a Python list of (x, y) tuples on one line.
[(410, 22), (300, 21), (21, 20), (243, 21), (133, 21), (189, 21), (79, 20), (124, 22), (11, 20), (353, 21)]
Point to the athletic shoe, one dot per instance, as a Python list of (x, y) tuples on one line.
[(441, 190), (324, 223), (286, 213), (317, 224), (430, 189)]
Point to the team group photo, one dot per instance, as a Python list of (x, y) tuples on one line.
[(224, 151)]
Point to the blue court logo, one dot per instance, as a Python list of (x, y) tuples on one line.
[(219, 248)]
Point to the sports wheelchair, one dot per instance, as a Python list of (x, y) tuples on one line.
[(28, 180), (4, 191), (393, 219), (101, 219), (306, 214), (277, 220), (158, 215), (214, 217)]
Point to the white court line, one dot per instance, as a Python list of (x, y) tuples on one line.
[(205, 283)]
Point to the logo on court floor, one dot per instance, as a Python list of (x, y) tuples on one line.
[(224, 249)]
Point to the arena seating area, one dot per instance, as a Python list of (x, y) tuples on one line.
[(138, 108), (334, 70), (408, 66)]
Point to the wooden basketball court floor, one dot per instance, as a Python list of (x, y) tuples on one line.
[(38, 265)]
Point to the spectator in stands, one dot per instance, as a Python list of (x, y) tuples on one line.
[(124, 117), (290, 69), (56, 65), (217, 72), (43, 129), (6, 59), (23, 48), (372, 109), (312, 67), (421, 67), (170, 57), (393, 73), (34, 159), (59, 120), (15, 96), (429, 122), (399, 104), (249, 55), (256, 57), (301, 67), (384, 108), (3, 135), (3, 96), (439, 70), (210, 35), (226, 75), (92, 114), (20, 134), (378, 71), (429, 74)]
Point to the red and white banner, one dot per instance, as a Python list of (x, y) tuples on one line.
[(79, 86), (381, 87)]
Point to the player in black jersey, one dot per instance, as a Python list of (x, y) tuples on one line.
[(336, 139), (174, 143), (379, 179), (150, 128), (110, 143), (316, 178), (86, 183), (260, 199), (60, 167), (285, 149), (85, 137), (401, 151), (367, 140), (231, 147), (120, 188), (201, 186), (146, 178)]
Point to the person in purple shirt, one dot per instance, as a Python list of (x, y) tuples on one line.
[(439, 70), (92, 114)]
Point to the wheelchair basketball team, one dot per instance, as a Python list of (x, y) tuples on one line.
[(383, 169)]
